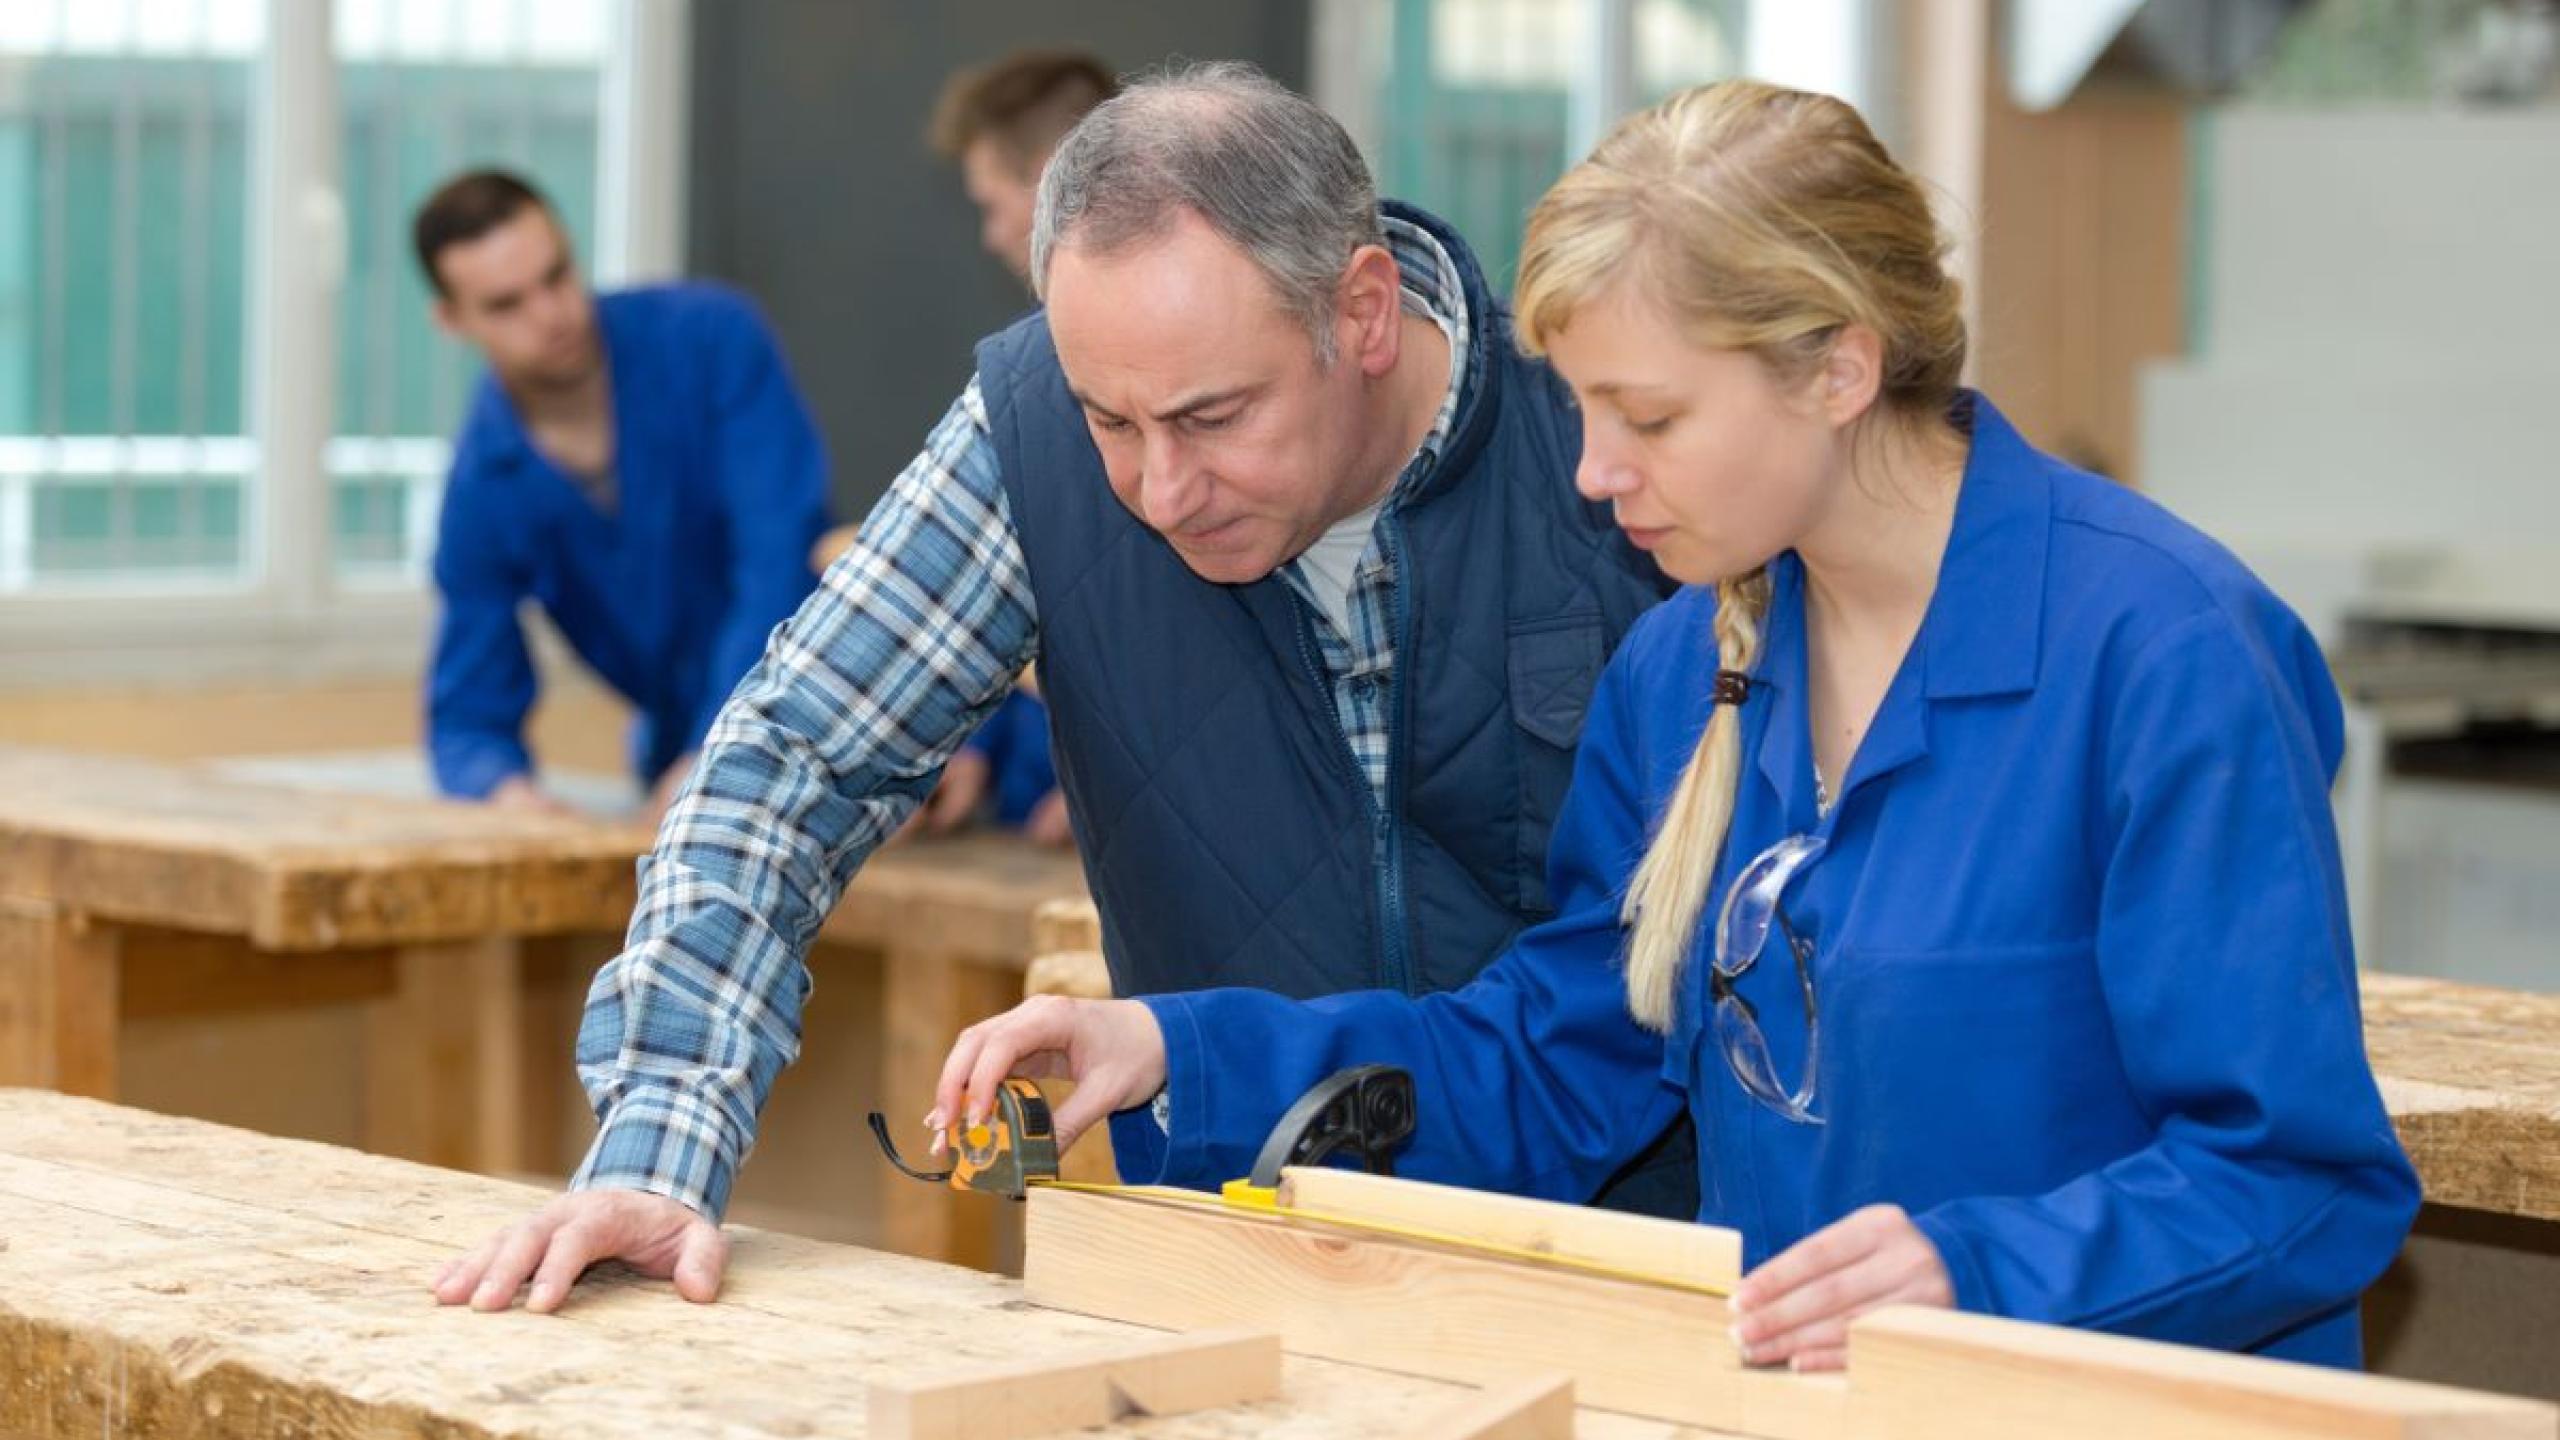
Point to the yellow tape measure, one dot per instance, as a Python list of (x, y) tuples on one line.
[(1247, 1196)]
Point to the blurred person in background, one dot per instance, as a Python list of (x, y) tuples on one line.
[(639, 463)]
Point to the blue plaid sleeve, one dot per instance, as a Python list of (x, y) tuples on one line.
[(829, 744)]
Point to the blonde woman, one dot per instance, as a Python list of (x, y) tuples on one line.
[(1955, 849)]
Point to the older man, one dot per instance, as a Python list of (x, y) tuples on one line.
[(1289, 525)]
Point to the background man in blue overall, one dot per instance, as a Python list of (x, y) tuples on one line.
[(638, 462), (1284, 516), (999, 123)]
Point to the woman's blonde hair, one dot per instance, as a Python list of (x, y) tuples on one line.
[(1764, 220)]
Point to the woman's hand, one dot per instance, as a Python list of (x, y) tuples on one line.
[(1795, 1310), (1112, 1049)]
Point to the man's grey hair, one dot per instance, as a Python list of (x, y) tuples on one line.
[(1265, 167)]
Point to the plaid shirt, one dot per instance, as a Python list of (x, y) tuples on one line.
[(831, 742)]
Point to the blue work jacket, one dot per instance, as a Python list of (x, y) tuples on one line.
[(720, 485), (1015, 742), (2087, 999)]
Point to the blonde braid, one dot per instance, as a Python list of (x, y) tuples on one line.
[(1670, 887)]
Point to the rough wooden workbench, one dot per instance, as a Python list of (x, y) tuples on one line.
[(147, 842), (139, 888), (2471, 1076), (2472, 1079), (164, 1277)]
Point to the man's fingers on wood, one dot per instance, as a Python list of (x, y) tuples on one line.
[(507, 1270), (573, 1248)]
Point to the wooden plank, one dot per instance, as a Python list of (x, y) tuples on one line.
[(1705, 1255), (1023, 1399), (2471, 1076), (1640, 1349), (59, 980), (171, 1278), (1941, 1375), (1540, 1408)]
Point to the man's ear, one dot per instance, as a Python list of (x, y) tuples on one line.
[(1368, 310)]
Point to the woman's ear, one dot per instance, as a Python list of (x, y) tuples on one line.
[(1852, 374)]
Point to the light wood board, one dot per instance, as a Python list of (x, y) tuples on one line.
[(1935, 1375), (1637, 1349)]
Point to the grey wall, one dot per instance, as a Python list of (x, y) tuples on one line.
[(811, 187)]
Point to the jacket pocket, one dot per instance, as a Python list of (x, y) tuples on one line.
[(1552, 669)]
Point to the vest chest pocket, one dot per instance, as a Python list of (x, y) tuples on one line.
[(1552, 669)]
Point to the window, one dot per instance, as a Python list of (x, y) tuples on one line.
[(206, 202), (123, 239), (1471, 108)]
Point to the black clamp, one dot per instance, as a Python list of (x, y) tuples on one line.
[(1365, 1112)]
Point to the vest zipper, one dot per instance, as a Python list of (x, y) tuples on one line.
[(1395, 956), (1349, 763), (1391, 965)]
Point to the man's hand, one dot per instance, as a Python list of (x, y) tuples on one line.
[(659, 1237), (1795, 1310), (523, 792), (831, 547), (1112, 1049), (1048, 824)]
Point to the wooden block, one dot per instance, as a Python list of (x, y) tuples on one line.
[(1540, 1408), (1923, 1374), (1080, 973), (1642, 1349), (1014, 1402), (1068, 924), (1703, 1255)]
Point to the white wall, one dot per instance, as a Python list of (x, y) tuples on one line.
[(2373, 408)]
